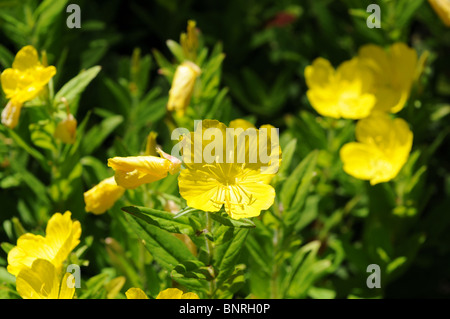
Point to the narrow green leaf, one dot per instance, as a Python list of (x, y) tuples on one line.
[(73, 89), (223, 219), (227, 254), (96, 135), (161, 219)]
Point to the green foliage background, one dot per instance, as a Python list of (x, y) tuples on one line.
[(325, 227)]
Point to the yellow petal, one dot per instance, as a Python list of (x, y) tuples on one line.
[(38, 281), (170, 293), (102, 196), (199, 193), (190, 295), (360, 160), (135, 293), (319, 73), (26, 58), (382, 149), (442, 8), (62, 236), (241, 123), (65, 291), (29, 247), (132, 171)]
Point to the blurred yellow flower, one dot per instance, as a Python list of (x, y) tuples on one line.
[(442, 8), (133, 171), (66, 130), (341, 93), (42, 281), (382, 149), (23, 82), (136, 293), (62, 236), (102, 196), (242, 186), (394, 72), (182, 86), (170, 293), (175, 293)]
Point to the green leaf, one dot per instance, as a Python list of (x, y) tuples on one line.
[(176, 50), (193, 274), (227, 254), (72, 90), (96, 135), (223, 219), (30, 150), (232, 284), (6, 247), (296, 188), (162, 219), (167, 250), (306, 269), (48, 12)]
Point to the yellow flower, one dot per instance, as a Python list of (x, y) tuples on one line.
[(136, 293), (235, 176), (182, 87), (102, 196), (66, 130), (23, 82), (382, 149), (442, 8), (62, 236), (344, 92), (42, 281), (133, 171), (394, 71), (175, 293), (170, 293)]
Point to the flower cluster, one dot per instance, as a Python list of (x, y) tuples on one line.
[(23, 82), (368, 88), (37, 261)]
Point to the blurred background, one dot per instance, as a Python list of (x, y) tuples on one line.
[(267, 45)]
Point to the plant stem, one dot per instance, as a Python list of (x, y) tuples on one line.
[(210, 252), (277, 237)]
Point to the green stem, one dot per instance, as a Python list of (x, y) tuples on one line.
[(210, 252), (276, 241)]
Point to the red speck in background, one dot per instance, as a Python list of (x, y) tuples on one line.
[(281, 19)]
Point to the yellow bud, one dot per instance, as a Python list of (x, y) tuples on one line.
[(66, 130), (11, 114), (102, 197), (182, 86)]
